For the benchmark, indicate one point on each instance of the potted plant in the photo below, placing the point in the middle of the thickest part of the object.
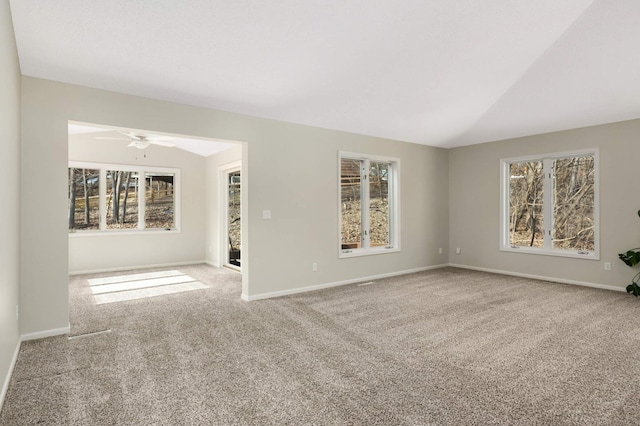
(632, 258)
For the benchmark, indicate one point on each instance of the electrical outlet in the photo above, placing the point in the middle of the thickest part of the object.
(607, 266)
(314, 267)
(440, 250)
(458, 250)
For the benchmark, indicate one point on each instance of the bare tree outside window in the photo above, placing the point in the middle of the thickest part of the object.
(525, 204)
(552, 203)
(233, 217)
(379, 203)
(368, 204)
(159, 201)
(84, 202)
(122, 199)
(573, 201)
(350, 197)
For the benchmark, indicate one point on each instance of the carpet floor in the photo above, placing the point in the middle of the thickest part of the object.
(447, 346)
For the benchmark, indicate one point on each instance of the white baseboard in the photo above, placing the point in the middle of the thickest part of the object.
(7, 380)
(24, 338)
(214, 264)
(130, 268)
(539, 277)
(45, 333)
(297, 290)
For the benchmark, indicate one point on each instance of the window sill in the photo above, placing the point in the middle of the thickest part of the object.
(115, 232)
(370, 252)
(592, 255)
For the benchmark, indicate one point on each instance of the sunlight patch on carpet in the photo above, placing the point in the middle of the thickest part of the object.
(133, 277)
(139, 286)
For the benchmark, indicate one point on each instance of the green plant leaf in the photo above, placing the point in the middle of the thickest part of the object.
(630, 257)
(634, 289)
(623, 257)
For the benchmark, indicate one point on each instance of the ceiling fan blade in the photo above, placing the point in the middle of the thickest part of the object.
(141, 141)
(119, 139)
(159, 142)
(131, 135)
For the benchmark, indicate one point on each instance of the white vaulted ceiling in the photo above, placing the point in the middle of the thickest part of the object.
(436, 72)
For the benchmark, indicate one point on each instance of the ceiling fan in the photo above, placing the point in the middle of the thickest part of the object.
(141, 141)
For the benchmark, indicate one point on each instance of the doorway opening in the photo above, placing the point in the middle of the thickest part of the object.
(232, 235)
(128, 211)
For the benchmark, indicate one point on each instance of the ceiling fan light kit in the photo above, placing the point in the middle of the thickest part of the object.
(139, 144)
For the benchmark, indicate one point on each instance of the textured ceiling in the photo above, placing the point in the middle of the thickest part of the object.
(440, 72)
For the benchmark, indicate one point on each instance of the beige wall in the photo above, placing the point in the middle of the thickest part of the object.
(9, 194)
(288, 169)
(295, 175)
(126, 250)
(474, 174)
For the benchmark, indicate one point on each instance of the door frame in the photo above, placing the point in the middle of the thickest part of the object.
(223, 191)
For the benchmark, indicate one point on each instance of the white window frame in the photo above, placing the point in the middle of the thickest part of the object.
(142, 171)
(223, 202)
(394, 206)
(547, 249)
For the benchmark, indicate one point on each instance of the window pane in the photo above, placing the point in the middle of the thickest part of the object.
(573, 203)
(84, 202)
(159, 201)
(350, 197)
(122, 199)
(379, 203)
(525, 204)
(233, 224)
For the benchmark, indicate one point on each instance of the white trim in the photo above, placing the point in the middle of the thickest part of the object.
(551, 252)
(233, 268)
(119, 232)
(210, 263)
(45, 333)
(554, 155)
(548, 250)
(336, 284)
(539, 277)
(298, 290)
(120, 167)
(7, 380)
(129, 268)
(142, 173)
(223, 204)
(345, 254)
(394, 205)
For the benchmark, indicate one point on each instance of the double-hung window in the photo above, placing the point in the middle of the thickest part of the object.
(368, 204)
(550, 204)
(112, 197)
